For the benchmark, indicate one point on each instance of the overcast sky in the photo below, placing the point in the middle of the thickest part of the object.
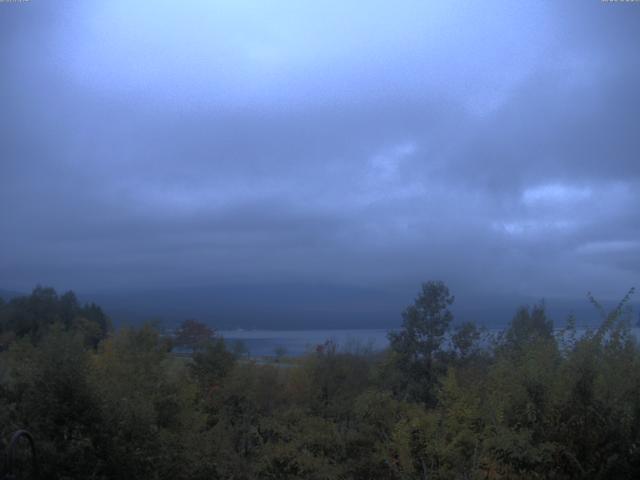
(491, 144)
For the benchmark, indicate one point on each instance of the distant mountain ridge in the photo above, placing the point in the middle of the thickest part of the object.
(9, 294)
(257, 306)
(316, 307)
(300, 307)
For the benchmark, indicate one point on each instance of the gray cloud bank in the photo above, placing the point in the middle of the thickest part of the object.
(489, 144)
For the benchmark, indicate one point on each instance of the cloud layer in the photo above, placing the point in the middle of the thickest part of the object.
(198, 144)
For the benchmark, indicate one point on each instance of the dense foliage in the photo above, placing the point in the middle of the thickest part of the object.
(444, 402)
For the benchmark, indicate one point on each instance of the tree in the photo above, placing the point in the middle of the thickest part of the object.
(34, 315)
(211, 362)
(47, 389)
(93, 323)
(529, 325)
(147, 402)
(465, 340)
(280, 351)
(193, 334)
(417, 347)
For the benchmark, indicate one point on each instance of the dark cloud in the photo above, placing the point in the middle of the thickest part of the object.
(493, 147)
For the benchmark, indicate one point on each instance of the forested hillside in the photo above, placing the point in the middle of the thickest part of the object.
(445, 401)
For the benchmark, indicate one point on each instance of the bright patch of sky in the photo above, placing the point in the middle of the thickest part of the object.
(204, 54)
(556, 194)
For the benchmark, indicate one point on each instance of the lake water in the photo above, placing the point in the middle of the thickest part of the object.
(298, 342)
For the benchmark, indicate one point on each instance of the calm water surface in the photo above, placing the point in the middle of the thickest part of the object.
(298, 342)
